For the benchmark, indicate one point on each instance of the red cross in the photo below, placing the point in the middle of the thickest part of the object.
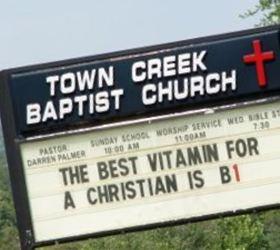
(259, 58)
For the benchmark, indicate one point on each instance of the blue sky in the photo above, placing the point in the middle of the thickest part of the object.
(34, 31)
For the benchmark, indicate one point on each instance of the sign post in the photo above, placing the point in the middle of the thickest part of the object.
(144, 138)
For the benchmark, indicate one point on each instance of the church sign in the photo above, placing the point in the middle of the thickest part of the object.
(144, 138)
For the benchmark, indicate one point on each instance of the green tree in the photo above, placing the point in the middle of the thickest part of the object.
(242, 232)
(236, 233)
(268, 9)
(8, 232)
(272, 228)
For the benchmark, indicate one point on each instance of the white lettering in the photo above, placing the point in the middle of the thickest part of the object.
(148, 95)
(102, 102)
(229, 80)
(165, 91)
(197, 61)
(67, 83)
(65, 107)
(49, 112)
(116, 94)
(106, 77)
(86, 80)
(154, 68)
(184, 64)
(169, 66)
(212, 83)
(33, 113)
(138, 73)
(197, 84)
(52, 80)
(80, 100)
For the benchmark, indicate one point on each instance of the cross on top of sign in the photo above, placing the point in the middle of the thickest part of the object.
(259, 58)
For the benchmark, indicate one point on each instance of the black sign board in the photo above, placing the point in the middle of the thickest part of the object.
(92, 90)
(88, 92)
